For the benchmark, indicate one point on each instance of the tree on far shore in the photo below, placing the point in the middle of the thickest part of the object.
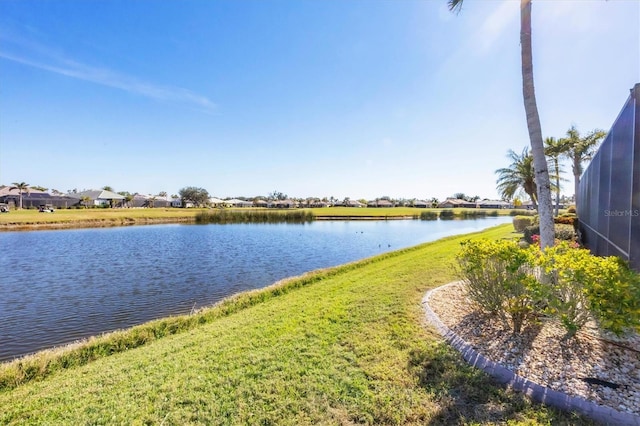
(21, 187)
(198, 196)
(85, 200)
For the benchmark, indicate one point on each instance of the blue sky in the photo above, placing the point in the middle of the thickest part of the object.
(352, 98)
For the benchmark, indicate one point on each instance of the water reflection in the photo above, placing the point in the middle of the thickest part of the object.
(60, 286)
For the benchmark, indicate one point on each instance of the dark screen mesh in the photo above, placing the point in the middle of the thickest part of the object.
(609, 192)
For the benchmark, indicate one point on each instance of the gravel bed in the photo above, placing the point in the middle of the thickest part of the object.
(596, 366)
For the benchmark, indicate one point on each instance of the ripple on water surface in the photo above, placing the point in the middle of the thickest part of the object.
(60, 286)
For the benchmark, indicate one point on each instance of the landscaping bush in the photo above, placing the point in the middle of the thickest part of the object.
(535, 219)
(521, 222)
(429, 215)
(585, 286)
(529, 232)
(500, 280)
(566, 233)
(522, 212)
(566, 219)
(563, 233)
(471, 214)
(446, 214)
(572, 209)
(565, 290)
(613, 290)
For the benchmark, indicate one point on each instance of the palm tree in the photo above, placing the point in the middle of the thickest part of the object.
(519, 175)
(21, 187)
(554, 149)
(580, 149)
(545, 208)
(85, 199)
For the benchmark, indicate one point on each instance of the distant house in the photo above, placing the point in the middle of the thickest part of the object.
(316, 203)
(421, 204)
(452, 203)
(283, 204)
(33, 198)
(380, 203)
(260, 203)
(159, 201)
(100, 198)
(494, 204)
(528, 205)
(140, 200)
(234, 202)
(217, 202)
(350, 203)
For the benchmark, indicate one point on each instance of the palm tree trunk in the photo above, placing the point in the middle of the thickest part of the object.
(545, 207)
(557, 166)
(576, 178)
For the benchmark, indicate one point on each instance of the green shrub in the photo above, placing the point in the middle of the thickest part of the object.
(566, 219)
(500, 280)
(254, 216)
(563, 233)
(446, 214)
(566, 290)
(521, 222)
(529, 232)
(471, 213)
(613, 290)
(535, 219)
(585, 286)
(522, 212)
(572, 209)
(429, 215)
(566, 233)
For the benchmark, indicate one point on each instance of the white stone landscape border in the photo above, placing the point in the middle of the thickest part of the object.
(539, 393)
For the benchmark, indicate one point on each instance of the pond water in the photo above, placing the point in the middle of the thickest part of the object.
(60, 286)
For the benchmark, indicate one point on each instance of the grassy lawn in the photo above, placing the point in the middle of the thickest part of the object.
(131, 216)
(348, 348)
(88, 215)
(368, 211)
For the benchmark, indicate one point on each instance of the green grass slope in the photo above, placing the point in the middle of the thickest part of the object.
(350, 348)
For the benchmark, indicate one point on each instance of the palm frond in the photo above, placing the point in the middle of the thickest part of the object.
(455, 5)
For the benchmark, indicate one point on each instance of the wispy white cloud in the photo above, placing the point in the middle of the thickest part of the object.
(41, 57)
(496, 24)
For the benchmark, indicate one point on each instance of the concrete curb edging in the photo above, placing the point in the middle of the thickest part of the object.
(538, 393)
